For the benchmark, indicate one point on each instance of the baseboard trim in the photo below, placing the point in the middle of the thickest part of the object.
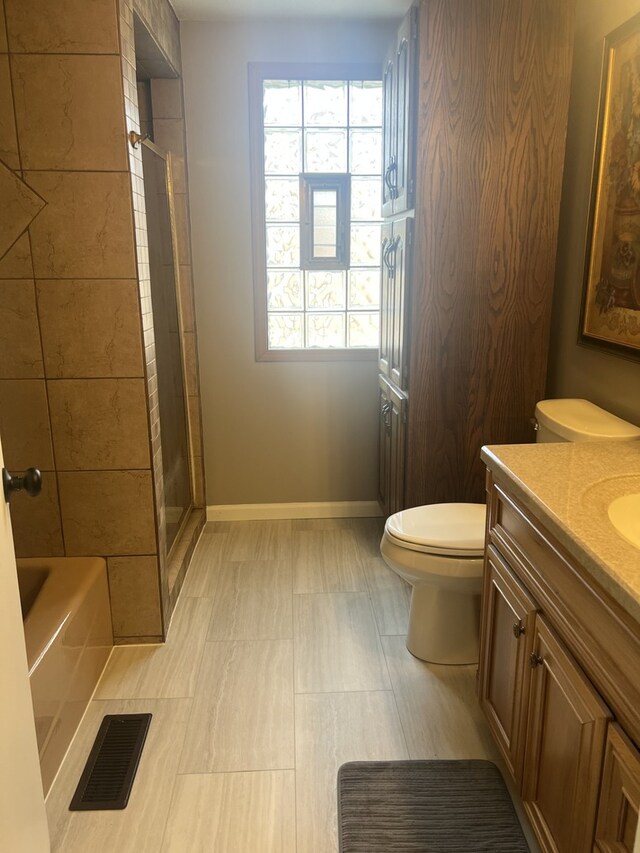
(328, 509)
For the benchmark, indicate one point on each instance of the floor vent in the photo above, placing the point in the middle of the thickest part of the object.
(108, 775)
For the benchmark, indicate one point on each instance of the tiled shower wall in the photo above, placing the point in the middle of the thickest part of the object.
(73, 361)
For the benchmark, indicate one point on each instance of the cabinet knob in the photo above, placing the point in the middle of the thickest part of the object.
(534, 660)
(518, 629)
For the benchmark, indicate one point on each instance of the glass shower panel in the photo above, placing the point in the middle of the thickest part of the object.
(171, 392)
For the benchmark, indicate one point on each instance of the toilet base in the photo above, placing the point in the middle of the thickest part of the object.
(444, 626)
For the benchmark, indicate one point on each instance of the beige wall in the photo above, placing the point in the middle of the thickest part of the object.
(578, 371)
(272, 432)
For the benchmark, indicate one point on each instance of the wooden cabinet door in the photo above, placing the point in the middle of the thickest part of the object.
(400, 257)
(619, 805)
(506, 642)
(392, 424)
(399, 104)
(566, 730)
(403, 178)
(386, 301)
(389, 131)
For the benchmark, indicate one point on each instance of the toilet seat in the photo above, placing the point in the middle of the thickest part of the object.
(454, 530)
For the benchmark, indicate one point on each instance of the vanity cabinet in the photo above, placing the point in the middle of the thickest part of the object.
(558, 682)
(475, 110)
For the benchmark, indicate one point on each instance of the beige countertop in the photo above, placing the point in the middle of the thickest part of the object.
(569, 488)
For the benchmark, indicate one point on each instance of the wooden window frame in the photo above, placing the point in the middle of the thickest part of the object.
(258, 72)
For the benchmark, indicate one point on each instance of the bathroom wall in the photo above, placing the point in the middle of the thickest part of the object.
(273, 432)
(74, 366)
(574, 370)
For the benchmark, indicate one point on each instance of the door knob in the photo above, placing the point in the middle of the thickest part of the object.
(30, 482)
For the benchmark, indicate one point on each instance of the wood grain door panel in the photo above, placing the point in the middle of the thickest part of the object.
(619, 805)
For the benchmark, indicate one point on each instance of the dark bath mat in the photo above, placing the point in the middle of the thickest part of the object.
(108, 775)
(427, 806)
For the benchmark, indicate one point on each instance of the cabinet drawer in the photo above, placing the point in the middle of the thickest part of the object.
(603, 637)
(619, 795)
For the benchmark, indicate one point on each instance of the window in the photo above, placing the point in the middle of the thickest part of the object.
(316, 135)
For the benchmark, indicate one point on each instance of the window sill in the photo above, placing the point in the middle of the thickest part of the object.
(317, 355)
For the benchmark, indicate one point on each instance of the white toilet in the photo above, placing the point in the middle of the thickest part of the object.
(439, 548)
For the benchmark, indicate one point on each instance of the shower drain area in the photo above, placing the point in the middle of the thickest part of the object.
(108, 776)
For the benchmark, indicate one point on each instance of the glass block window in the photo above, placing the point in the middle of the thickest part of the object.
(321, 152)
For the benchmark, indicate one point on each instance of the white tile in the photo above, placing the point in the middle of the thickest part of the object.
(336, 644)
(253, 601)
(333, 728)
(242, 717)
(440, 713)
(160, 671)
(138, 828)
(233, 813)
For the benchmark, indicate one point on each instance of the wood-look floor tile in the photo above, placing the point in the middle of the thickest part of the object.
(242, 716)
(337, 644)
(369, 533)
(202, 575)
(438, 707)
(330, 729)
(233, 813)
(163, 671)
(302, 524)
(253, 601)
(138, 828)
(255, 540)
(390, 597)
(326, 561)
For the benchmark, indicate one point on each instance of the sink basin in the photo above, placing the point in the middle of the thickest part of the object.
(624, 514)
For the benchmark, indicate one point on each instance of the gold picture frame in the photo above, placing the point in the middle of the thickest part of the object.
(611, 295)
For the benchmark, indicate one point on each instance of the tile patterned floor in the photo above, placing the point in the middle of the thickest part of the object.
(285, 658)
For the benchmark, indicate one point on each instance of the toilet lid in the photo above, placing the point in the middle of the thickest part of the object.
(441, 528)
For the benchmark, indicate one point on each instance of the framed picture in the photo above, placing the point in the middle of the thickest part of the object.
(611, 297)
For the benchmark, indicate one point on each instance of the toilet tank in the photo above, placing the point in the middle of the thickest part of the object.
(580, 420)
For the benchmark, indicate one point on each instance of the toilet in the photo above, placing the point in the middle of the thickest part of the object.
(439, 548)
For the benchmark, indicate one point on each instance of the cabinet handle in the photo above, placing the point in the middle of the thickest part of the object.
(385, 411)
(534, 660)
(392, 185)
(518, 629)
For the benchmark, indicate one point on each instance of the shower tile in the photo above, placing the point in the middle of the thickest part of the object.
(331, 729)
(163, 671)
(8, 138)
(16, 263)
(337, 644)
(21, 204)
(242, 716)
(166, 97)
(37, 531)
(233, 811)
(253, 601)
(66, 26)
(135, 596)
(78, 100)
(107, 512)
(141, 825)
(20, 350)
(390, 597)
(86, 228)
(90, 328)
(326, 561)
(438, 707)
(24, 424)
(99, 423)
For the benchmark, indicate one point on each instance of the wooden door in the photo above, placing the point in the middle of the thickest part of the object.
(400, 256)
(506, 642)
(566, 730)
(617, 825)
(386, 301)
